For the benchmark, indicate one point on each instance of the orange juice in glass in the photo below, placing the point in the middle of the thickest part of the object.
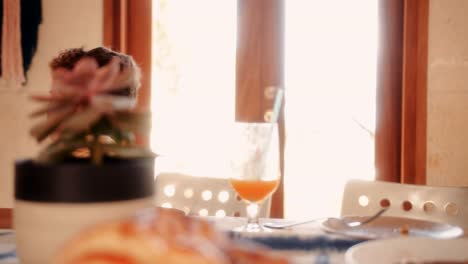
(254, 167)
(254, 190)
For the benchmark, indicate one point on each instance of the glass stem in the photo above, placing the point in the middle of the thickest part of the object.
(252, 214)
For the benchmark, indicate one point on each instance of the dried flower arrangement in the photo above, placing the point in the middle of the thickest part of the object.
(89, 112)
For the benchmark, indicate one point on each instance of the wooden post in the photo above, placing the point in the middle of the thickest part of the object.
(389, 91)
(259, 65)
(414, 95)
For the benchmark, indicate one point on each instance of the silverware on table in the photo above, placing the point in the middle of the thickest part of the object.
(337, 220)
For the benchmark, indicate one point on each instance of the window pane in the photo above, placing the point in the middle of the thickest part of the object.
(330, 78)
(194, 80)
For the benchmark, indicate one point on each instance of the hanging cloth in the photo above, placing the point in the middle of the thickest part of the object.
(31, 18)
(12, 57)
(1, 30)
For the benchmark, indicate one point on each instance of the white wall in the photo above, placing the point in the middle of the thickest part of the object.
(66, 24)
(447, 128)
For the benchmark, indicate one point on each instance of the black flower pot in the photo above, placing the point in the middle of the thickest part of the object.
(55, 202)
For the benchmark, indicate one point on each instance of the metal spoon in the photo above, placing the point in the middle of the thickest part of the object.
(338, 220)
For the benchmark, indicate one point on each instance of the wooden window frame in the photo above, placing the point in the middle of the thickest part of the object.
(400, 148)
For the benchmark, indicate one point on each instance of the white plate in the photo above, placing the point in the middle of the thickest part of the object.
(399, 250)
(389, 227)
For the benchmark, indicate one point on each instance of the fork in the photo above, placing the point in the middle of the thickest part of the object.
(339, 220)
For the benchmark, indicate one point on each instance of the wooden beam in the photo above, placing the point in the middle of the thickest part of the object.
(389, 91)
(139, 45)
(259, 58)
(115, 24)
(414, 97)
(259, 65)
(128, 29)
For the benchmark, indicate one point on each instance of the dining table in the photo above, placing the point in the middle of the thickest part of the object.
(303, 244)
(306, 243)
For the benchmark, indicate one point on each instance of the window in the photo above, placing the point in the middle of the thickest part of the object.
(194, 46)
(330, 91)
(400, 132)
(330, 79)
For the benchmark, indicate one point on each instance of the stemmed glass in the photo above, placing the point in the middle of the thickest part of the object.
(255, 173)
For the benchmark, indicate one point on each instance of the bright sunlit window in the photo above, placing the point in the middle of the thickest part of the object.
(193, 83)
(330, 77)
(330, 72)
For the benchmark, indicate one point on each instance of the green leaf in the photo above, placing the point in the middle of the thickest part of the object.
(56, 97)
(50, 108)
(48, 126)
(81, 121)
(132, 121)
(61, 149)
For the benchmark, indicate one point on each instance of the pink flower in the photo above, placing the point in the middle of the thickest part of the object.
(81, 96)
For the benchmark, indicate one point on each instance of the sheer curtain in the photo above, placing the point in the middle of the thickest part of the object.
(193, 84)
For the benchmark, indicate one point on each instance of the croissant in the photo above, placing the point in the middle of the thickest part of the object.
(159, 235)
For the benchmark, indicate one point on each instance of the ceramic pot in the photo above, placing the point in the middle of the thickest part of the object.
(55, 202)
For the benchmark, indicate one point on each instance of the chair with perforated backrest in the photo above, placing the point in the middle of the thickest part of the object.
(201, 196)
(439, 204)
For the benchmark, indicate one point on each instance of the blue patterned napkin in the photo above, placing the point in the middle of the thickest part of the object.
(303, 249)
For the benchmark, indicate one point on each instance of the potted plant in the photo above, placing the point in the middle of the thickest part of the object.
(90, 169)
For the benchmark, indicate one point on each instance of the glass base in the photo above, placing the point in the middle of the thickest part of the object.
(252, 228)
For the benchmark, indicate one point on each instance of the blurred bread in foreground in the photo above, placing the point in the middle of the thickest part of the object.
(160, 236)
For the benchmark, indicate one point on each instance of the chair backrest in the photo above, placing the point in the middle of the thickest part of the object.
(201, 196)
(439, 204)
